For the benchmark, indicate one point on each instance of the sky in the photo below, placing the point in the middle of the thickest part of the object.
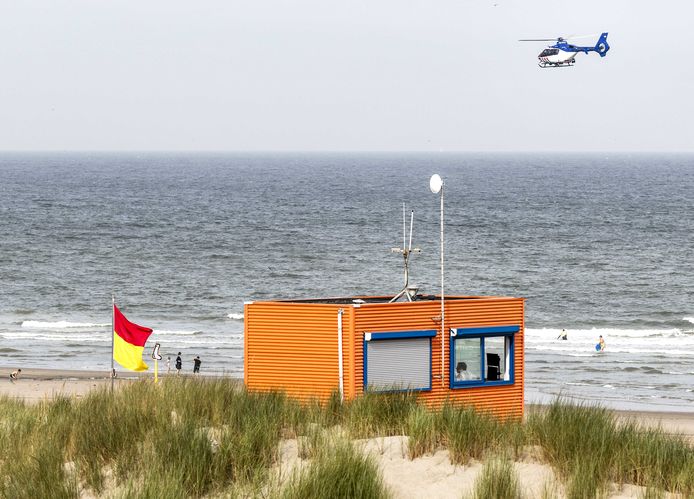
(350, 75)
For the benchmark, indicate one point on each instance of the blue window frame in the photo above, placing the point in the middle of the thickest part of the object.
(398, 361)
(482, 356)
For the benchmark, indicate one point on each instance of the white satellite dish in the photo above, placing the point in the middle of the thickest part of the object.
(435, 183)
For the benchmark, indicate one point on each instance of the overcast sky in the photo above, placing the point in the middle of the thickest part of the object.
(349, 75)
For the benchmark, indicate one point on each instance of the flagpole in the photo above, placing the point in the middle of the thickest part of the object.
(113, 329)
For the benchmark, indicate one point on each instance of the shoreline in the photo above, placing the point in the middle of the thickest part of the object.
(37, 384)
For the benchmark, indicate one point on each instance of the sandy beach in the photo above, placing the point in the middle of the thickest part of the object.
(35, 385)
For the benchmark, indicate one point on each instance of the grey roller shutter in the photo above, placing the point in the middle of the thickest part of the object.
(399, 364)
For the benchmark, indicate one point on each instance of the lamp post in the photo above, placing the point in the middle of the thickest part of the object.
(436, 186)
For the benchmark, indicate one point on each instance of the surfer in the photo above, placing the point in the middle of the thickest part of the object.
(563, 335)
(601, 343)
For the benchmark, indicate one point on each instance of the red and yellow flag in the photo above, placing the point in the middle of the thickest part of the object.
(128, 342)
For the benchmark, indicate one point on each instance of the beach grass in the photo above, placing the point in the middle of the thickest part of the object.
(469, 434)
(33, 440)
(423, 432)
(207, 438)
(338, 471)
(589, 448)
(379, 413)
(498, 480)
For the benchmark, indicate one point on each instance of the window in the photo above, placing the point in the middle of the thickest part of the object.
(548, 52)
(468, 355)
(398, 360)
(482, 356)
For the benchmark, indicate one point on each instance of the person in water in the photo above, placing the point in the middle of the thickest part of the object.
(602, 343)
(563, 335)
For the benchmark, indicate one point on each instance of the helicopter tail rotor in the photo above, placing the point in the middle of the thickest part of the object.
(602, 46)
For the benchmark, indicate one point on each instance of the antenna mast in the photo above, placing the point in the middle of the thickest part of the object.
(408, 291)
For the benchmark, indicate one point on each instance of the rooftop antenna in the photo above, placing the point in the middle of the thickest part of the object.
(409, 291)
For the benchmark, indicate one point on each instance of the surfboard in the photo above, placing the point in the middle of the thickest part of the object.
(597, 347)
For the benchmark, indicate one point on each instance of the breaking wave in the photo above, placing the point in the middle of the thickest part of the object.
(62, 325)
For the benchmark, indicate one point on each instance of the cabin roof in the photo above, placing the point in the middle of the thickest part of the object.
(351, 300)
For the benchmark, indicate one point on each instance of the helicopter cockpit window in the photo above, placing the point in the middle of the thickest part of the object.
(548, 52)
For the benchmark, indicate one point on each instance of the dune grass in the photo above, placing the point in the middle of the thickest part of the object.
(199, 437)
(498, 480)
(588, 448)
(379, 414)
(202, 435)
(423, 432)
(33, 438)
(337, 471)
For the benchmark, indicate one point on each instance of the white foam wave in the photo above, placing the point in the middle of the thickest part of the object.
(236, 317)
(573, 334)
(688, 319)
(670, 343)
(57, 337)
(62, 325)
(173, 332)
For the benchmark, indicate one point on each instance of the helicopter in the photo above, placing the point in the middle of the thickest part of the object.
(563, 54)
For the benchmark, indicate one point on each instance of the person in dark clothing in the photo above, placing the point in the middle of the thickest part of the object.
(196, 365)
(179, 364)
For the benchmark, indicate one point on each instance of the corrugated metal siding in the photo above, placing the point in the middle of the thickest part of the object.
(398, 363)
(505, 400)
(293, 347)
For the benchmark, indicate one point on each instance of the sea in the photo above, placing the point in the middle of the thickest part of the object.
(598, 244)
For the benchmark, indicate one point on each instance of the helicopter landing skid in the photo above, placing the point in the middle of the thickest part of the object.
(556, 65)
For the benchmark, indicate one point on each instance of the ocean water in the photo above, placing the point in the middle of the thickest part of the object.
(598, 244)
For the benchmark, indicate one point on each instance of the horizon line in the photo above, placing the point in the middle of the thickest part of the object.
(331, 151)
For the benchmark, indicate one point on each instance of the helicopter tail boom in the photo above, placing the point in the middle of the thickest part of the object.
(602, 46)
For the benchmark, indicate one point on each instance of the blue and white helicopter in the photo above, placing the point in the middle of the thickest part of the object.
(563, 54)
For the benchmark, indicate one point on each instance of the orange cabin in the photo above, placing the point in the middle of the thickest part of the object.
(293, 346)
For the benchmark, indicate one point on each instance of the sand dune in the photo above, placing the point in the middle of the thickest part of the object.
(427, 476)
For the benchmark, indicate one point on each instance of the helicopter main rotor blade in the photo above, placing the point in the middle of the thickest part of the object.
(538, 40)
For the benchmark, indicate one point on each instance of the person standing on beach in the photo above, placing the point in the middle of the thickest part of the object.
(196, 365)
(168, 364)
(14, 375)
(179, 364)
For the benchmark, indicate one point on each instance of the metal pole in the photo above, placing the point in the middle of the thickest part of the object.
(443, 329)
(113, 331)
(339, 355)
